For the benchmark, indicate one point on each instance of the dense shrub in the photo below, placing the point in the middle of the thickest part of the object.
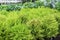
(10, 30)
(3, 7)
(17, 32)
(29, 24)
(57, 16)
(42, 24)
(28, 5)
(11, 7)
(35, 4)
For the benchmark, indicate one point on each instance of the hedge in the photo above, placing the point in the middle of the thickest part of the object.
(29, 24)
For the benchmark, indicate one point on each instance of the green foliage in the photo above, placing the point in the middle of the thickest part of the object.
(17, 32)
(42, 24)
(12, 29)
(58, 5)
(3, 7)
(49, 25)
(36, 4)
(18, 6)
(28, 5)
(57, 16)
(11, 7)
(29, 24)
